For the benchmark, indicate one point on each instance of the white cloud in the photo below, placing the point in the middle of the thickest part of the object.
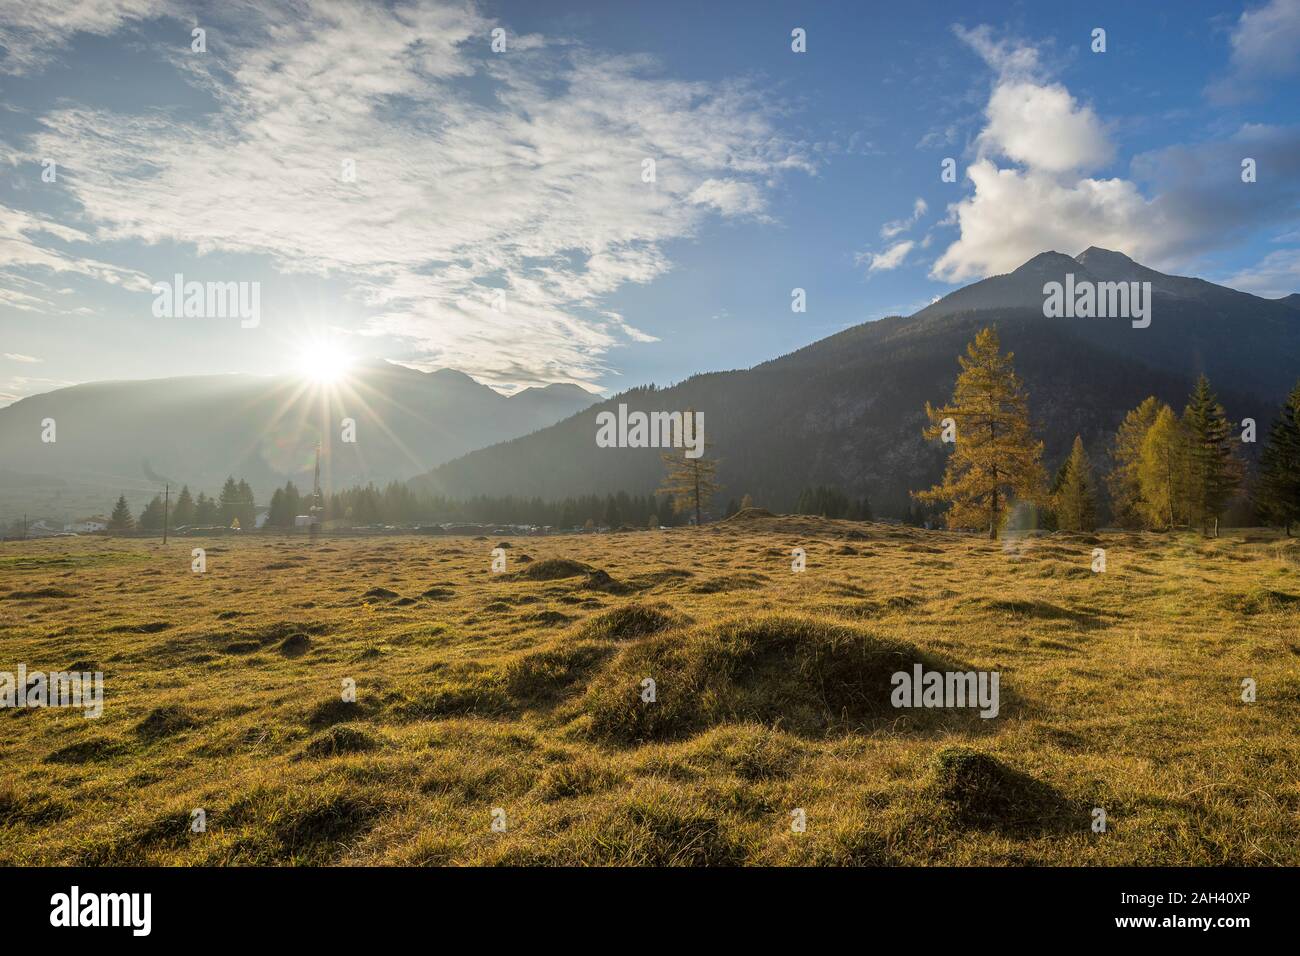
(19, 357)
(25, 245)
(1035, 186)
(1044, 128)
(1276, 276)
(891, 229)
(519, 170)
(1265, 45)
(729, 196)
(891, 258)
(31, 31)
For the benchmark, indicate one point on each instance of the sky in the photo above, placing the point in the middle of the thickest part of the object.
(469, 185)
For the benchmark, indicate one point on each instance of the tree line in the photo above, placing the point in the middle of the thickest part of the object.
(234, 504)
(1168, 470)
(397, 504)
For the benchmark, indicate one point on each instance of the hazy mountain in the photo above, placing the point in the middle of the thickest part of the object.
(131, 436)
(848, 410)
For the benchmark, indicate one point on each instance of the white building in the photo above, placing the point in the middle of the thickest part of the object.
(88, 525)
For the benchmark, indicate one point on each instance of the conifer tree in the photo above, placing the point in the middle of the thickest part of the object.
(228, 502)
(1214, 470)
(120, 519)
(205, 510)
(183, 514)
(151, 518)
(245, 508)
(995, 456)
(1122, 482)
(1278, 492)
(1075, 503)
(1163, 472)
(692, 482)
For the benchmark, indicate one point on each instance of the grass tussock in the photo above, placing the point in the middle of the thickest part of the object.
(524, 692)
(810, 675)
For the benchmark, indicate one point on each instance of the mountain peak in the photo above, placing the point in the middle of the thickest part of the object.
(450, 376)
(1111, 266)
(1046, 264)
(1049, 259)
(1097, 255)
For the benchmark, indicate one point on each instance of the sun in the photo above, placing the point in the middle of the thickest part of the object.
(324, 364)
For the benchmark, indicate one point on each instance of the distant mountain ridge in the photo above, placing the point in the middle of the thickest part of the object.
(132, 435)
(848, 410)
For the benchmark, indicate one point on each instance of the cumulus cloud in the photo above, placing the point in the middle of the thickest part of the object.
(1044, 128)
(1265, 46)
(474, 172)
(1036, 185)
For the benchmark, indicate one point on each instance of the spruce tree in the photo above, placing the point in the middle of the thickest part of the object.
(183, 513)
(151, 518)
(1278, 492)
(120, 519)
(995, 457)
(245, 509)
(1214, 470)
(228, 503)
(205, 510)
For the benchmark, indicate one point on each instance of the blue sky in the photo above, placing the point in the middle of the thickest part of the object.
(522, 171)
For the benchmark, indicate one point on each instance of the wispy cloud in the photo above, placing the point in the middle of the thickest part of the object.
(1276, 276)
(475, 172)
(898, 226)
(30, 243)
(31, 33)
(1265, 46)
(19, 357)
(891, 258)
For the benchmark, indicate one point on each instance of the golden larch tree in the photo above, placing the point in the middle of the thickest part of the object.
(995, 457)
(1075, 503)
(1125, 488)
(692, 482)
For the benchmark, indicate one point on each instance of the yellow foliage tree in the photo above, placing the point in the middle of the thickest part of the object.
(995, 457)
(1125, 489)
(1163, 472)
(692, 482)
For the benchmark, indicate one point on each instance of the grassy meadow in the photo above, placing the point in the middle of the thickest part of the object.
(521, 692)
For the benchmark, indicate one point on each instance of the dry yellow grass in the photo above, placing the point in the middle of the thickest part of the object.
(521, 691)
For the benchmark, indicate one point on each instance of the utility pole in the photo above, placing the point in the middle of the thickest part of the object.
(167, 497)
(317, 510)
